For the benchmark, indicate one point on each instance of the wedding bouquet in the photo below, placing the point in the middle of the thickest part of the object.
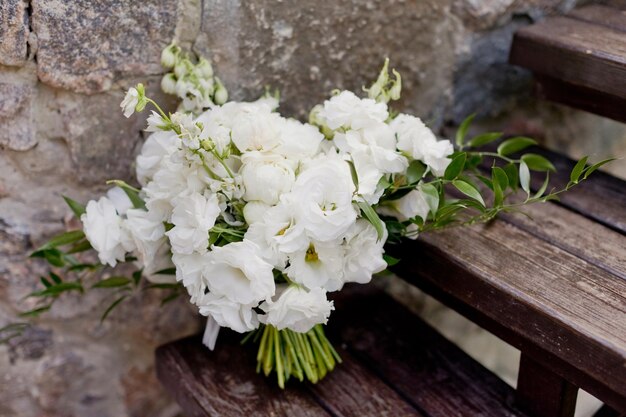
(257, 217)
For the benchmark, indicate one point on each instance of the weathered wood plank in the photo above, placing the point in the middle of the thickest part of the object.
(435, 375)
(543, 393)
(574, 51)
(224, 382)
(601, 15)
(535, 296)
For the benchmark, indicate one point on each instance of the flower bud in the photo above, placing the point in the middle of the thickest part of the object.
(182, 68)
(221, 94)
(204, 68)
(396, 88)
(169, 56)
(168, 83)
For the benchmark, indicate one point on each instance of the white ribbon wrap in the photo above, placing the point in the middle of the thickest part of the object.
(211, 331)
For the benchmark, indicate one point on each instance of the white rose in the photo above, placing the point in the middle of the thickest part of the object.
(189, 271)
(193, 217)
(120, 200)
(155, 148)
(299, 140)
(351, 112)
(297, 309)
(254, 211)
(105, 231)
(419, 142)
(319, 265)
(323, 196)
(257, 130)
(407, 207)
(266, 177)
(363, 253)
(237, 272)
(238, 317)
(148, 234)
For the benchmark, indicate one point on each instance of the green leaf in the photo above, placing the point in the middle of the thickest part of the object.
(166, 271)
(75, 206)
(431, 195)
(484, 139)
(36, 311)
(57, 289)
(462, 131)
(373, 218)
(112, 282)
(137, 276)
(538, 163)
(391, 261)
(524, 177)
(55, 278)
(111, 307)
(486, 181)
(53, 256)
(415, 172)
(513, 176)
(500, 182)
(383, 183)
(79, 247)
(131, 192)
(468, 190)
(456, 167)
(578, 170)
(595, 166)
(515, 144)
(45, 282)
(170, 298)
(64, 239)
(355, 176)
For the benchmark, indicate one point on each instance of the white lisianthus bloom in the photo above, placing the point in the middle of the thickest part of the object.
(154, 150)
(227, 313)
(193, 217)
(297, 309)
(148, 234)
(319, 265)
(254, 211)
(363, 253)
(351, 112)
(323, 198)
(266, 176)
(161, 260)
(419, 142)
(411, 205)
(257, 130)
(130, 101)
(105, 231)
(120, 200)
(237, 272)
(299, 140)
(189, 271)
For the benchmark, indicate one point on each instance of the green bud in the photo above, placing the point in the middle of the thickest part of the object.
(182, 68)
(204, 68)
(169, 56)
(221, 94)
(396, 88)
(141, 104)
(207, 145)
(140, 90)
(168, 84)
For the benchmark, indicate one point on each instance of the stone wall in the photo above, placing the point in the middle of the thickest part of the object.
(64, 66)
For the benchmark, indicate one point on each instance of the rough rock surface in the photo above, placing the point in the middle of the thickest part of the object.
(63, 68)
(13, 32)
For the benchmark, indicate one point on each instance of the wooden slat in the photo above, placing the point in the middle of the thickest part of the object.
(436, 376)
(224, 382)
(574, 51)
(601, 15)
(535, 296)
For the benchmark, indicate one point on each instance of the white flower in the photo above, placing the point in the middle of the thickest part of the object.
(297, 309)
(155, 122)
(363, 253)
(238, 317)
(266, 177)
(130, 101)
(319, 265)
(254, 211)
(407, 207)
(189, 271)
(351, 112)
(154, 150)
(161, 260)
(193, 217)
(323, 198)
(237, 272)
(120, 200)
(105, 231)
(299, 140)
(419, 142)
(256, 129)
(148, 234)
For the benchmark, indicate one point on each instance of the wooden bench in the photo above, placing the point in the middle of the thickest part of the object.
(554, 287)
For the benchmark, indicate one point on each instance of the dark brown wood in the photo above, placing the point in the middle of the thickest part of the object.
(606, 411)
(577, 52)
(593, 101)
(538, 297)
(543, 393)
(432, 373)
(601, 15)
(224, 382)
